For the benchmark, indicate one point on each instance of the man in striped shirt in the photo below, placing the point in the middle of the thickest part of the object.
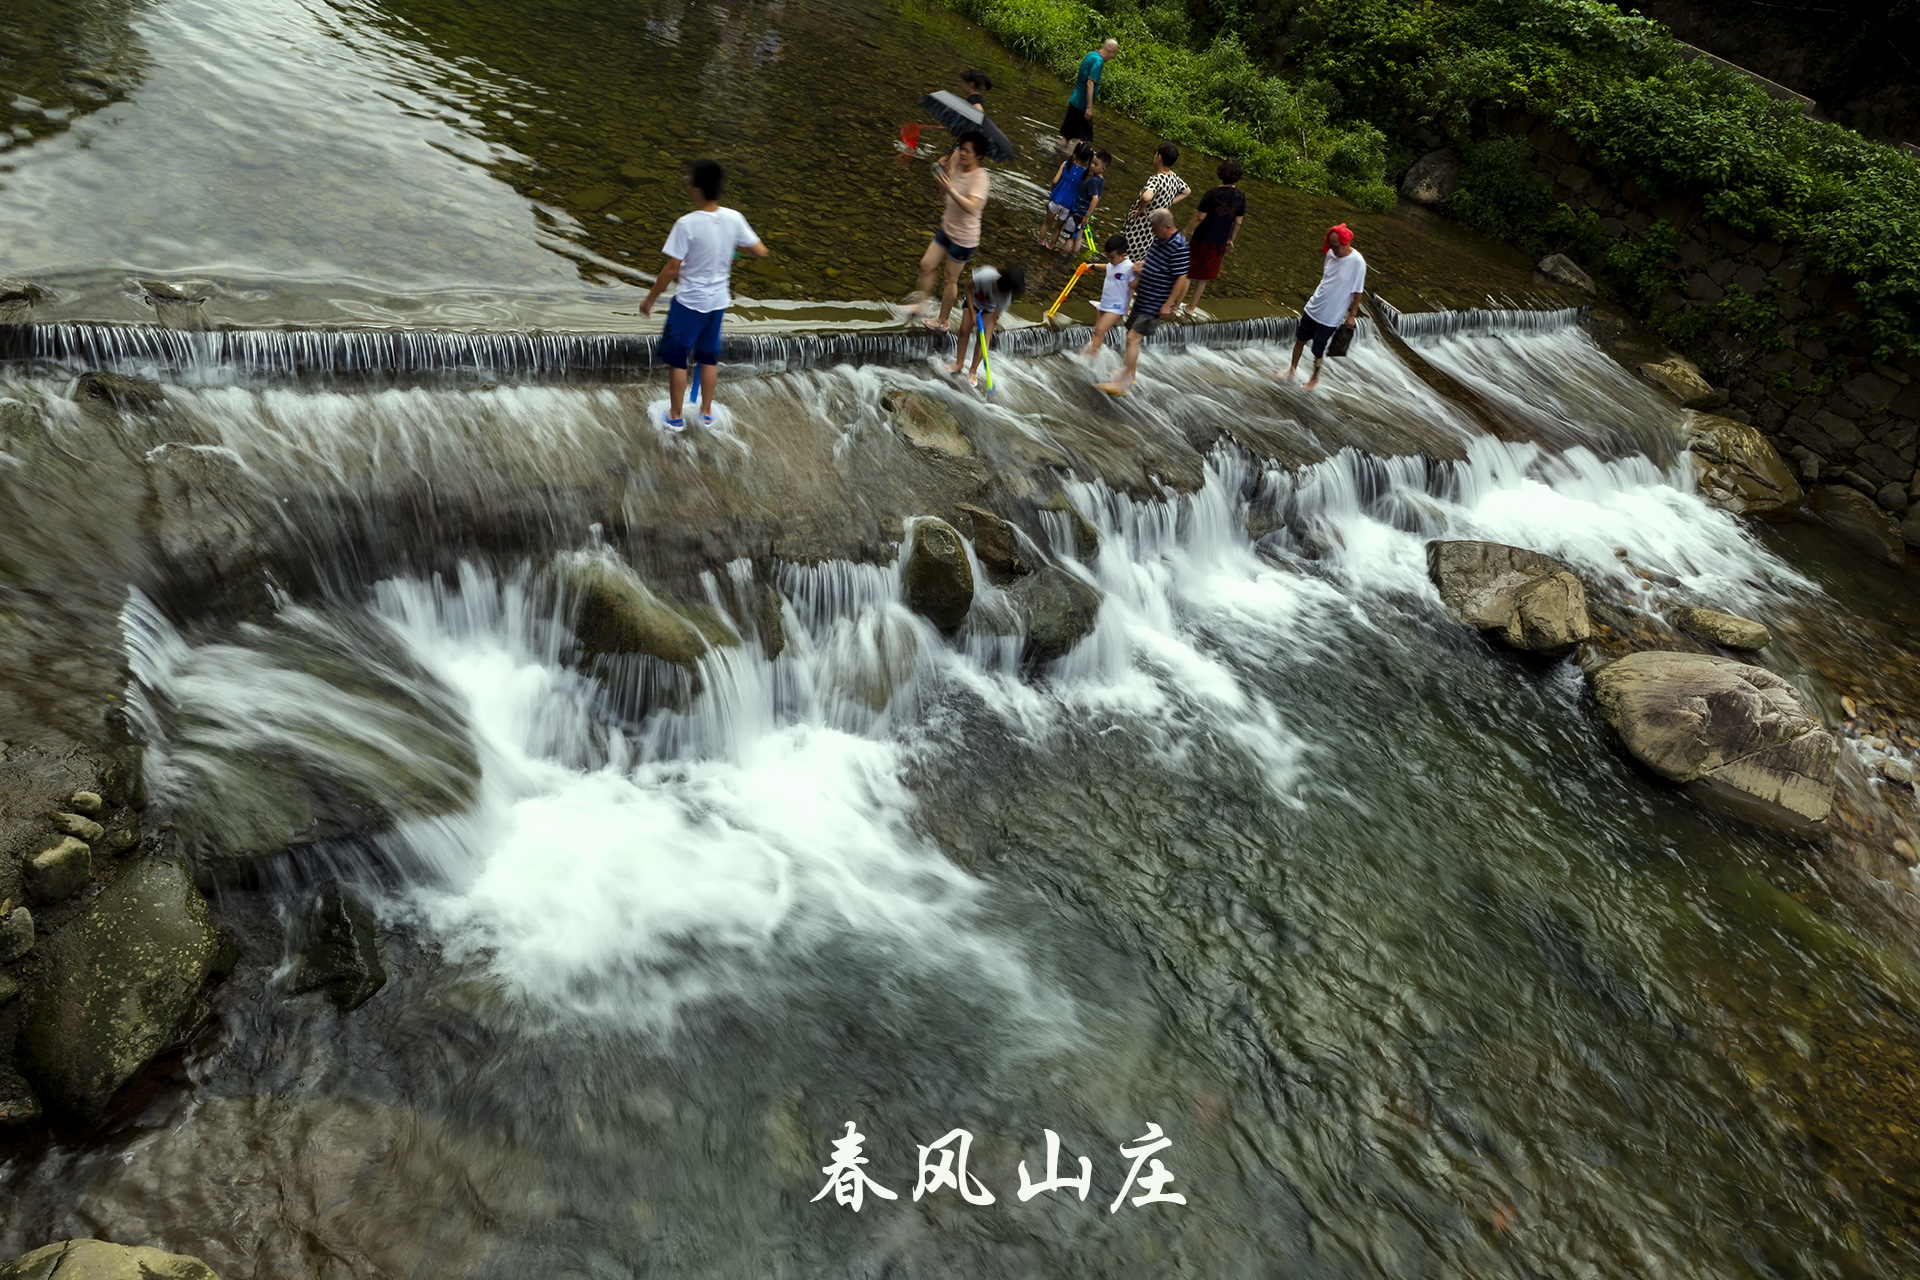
(1161, 286)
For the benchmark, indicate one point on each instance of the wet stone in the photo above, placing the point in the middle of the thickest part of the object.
(1857, 519)
(118, 984)
(86, 803)
(1059, 610)
(56, 874)
(16, 934)
(79, 827)
(937, 580)
(340, 951)
(1728, 630)
(19, 1105)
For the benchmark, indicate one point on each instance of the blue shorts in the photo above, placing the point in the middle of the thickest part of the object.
(692, 331)
(954, 251)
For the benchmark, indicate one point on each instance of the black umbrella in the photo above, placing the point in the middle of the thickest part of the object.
(959, 115)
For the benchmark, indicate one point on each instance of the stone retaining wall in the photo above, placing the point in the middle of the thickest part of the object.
(1845, 417)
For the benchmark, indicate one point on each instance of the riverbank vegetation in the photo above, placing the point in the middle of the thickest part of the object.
(1365, 85)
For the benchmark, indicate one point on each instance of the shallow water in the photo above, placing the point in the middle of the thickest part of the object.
(515, 165)
(1418, 975)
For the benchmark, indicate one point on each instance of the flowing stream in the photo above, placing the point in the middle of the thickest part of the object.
(1418, 975)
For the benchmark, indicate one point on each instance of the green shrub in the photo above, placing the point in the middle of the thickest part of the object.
(1499, 191)
(1216, 98)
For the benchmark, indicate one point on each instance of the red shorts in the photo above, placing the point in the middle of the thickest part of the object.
(1203, 260)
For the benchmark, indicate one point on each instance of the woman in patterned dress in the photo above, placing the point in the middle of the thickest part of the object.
(1163, 190)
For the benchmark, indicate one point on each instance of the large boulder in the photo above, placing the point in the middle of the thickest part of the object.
(1530, 601)
(1433, 179)
(1682, 378)
(1858, 519)
(1728, 630)
(1562, 270)
(1058, 610)
(1738, 469)
(118, 985)
(616, 612)
(98, 1260)
(339, 950)
(1738, 737)
(937, 580)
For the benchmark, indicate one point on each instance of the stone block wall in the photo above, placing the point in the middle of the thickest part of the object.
(1843, 416)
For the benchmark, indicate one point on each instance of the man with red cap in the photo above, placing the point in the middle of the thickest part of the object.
(1343, 278)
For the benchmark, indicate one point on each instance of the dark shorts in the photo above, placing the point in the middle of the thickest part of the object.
(1203, 261)
(1144, 323)
(690, 331)
(1076, 127)
(957, 252)
(1318, 334)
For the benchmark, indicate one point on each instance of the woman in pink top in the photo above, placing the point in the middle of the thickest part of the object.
(963, 181)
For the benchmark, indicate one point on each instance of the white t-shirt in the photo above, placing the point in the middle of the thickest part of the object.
(1340, 279)
(704, 242)
(1113, 298)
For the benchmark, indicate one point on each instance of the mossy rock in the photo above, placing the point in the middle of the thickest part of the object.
(98, 1260)
(119, 982)
(1059, 609)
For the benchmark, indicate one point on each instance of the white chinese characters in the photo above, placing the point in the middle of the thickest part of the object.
(943, 1167)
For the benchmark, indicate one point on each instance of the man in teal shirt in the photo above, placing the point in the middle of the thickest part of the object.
(1078, 125)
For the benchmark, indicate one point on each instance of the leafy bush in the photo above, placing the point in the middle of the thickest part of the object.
(1499, 191)
(1215, 98)
(1627, 91)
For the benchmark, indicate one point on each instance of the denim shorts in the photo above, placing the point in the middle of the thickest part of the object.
(958, 253)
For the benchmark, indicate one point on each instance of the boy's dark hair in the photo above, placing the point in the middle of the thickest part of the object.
(1231, 170)
(1169, 153)
(1104, 157)
(978, 79)
(1083, 153)
(975, 139)
(1116, 243)
(708, 177)
(1015, 278)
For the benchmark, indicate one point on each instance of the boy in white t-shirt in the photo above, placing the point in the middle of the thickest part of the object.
(1116, 297)
(700, 252)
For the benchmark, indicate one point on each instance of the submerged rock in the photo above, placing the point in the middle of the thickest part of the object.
(205, 515)
(1433, 179)
(1737, 736)
(1738, 469)
(927, 424)
(1086, 538)
(118, 984)
(16, 934)
(98, 1260)
(996, 543)
(1059, 610)
(1531, 601)
(936, 580)
(1562, 270)
(340, 951)
(118, 391)
(56, 874)
(1858, 519)
(1728, 630)
(617, 612)
(1683, 379)
(18, 1103)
